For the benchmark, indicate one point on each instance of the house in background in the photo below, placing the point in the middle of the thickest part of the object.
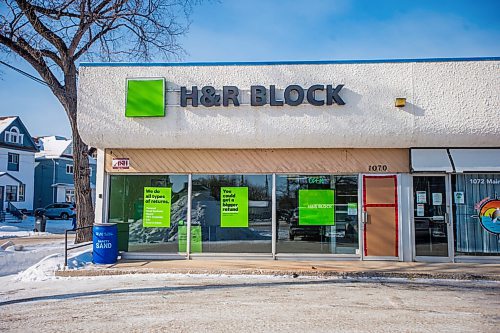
(54, 171)
(17, 165)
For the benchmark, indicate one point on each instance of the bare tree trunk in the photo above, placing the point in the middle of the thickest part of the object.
(81, 173)
(83, 191)
(52, 35)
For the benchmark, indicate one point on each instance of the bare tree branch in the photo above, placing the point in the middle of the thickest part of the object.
(52, 35)
(30, 55)
(39, 27)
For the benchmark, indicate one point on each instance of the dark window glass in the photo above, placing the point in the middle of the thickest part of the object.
(13, 162)
(126, 205)
(312, 234)
(255, 236)
(430, 217)
(22, 189)
(10, 193)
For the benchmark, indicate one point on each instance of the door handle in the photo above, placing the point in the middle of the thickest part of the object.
(365, 217)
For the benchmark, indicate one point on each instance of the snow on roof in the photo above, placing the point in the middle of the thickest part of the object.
(54, 146)
(5, 122)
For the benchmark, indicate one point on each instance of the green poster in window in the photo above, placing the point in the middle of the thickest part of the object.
(195, 238)
(156, 212)
(234, 207)
(316, 207)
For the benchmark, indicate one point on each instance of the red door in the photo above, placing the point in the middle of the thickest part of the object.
(380, 222)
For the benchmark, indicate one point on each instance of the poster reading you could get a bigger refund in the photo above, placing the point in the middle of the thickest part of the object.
(156, 213)
(234, 207)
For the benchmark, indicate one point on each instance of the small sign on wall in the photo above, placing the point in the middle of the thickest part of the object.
(120, 163)
(459, 198)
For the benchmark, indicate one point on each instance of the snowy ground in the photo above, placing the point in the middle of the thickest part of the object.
(219, 303)
(25, 228)
(33, 299)
(14, 260)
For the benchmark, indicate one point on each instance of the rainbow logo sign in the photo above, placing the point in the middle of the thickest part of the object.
(489, 215)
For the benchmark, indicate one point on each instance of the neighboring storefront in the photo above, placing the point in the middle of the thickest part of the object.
(371, 160)
(456, 203)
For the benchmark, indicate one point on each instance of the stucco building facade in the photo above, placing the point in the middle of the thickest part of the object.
(369, 160)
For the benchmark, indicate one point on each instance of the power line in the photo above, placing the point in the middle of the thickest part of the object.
(20, 71)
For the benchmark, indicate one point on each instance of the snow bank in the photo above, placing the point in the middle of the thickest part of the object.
(25, 227)
(8, 231)
(12, 261)
(7, 228)
(45, 268)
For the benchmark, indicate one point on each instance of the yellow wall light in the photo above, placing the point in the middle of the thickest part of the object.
(400, 102)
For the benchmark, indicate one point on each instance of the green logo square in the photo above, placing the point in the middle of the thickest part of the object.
(145, 98)
(316, 207)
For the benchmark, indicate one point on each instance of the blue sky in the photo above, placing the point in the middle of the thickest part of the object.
(272, 30)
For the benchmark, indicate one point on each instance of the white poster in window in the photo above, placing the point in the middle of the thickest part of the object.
(420, 210)
(459, 197)
(421, 197)
(437, 199)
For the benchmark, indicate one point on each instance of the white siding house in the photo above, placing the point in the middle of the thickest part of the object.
(17, 164)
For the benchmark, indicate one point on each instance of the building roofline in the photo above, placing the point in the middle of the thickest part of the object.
(271, 63)
(9, 175)
(15, 147)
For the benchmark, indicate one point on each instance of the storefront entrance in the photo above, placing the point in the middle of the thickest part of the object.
(265, 203)
(380, 217)
(431, 218)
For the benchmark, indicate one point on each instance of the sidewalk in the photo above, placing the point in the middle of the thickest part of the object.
(386, 269)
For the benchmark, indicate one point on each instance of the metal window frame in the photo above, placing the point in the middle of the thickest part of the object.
(274, 254)
(450, 225)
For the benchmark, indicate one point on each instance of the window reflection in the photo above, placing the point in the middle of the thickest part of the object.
(296, 237)
(474, 234)
(206, 213)
(126, 203)
(295, 234)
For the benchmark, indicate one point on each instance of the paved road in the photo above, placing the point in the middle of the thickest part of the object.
(179, 303)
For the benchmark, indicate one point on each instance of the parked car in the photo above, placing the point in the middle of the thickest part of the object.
(60, 210)
(304, 231)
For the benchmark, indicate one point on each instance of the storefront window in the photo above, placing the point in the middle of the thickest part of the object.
(317, 214)
(165, 199)
(476, 209)
(232, 213)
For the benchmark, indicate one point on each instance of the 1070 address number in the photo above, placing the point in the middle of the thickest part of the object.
(378, 168)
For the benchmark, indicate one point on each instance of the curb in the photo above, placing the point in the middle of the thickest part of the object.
(321, 274)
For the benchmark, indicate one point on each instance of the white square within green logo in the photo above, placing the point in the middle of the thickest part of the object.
(145, 98)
